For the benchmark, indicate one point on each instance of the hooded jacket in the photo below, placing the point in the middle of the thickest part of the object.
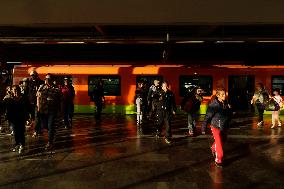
(218, 115)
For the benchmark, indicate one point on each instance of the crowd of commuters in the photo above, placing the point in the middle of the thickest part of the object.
(39, 103)
(158, 103)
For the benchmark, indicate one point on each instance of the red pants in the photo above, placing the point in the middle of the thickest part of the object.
(217, 146)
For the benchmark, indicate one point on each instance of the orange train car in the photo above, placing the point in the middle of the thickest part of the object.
(120, 81)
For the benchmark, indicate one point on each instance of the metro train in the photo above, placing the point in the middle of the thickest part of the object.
(120, 81)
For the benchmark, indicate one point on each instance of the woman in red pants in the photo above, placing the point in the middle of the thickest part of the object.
(218, 116)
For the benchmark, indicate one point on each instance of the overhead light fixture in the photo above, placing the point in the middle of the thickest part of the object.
(189, 41)
(14, 62)
(103, 42)
(70, 42)
(230, 41)
(271, 41)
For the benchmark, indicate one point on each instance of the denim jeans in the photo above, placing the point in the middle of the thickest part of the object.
(68, 113)
(47, 121)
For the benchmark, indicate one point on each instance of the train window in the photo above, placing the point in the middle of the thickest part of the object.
(188, 81)
(278, 82)
(59, 79)
(149, 80)
(111, 84)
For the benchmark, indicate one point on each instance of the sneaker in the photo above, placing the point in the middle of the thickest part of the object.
(190, 133)
(279, 125)
(259, 124)
(168, 141)
(12, 133)
(272, 127)
(36, 134)
(203, 133)
(158, 135)
(48, 146)
(15, 148)
(219, 165)
(21, 149)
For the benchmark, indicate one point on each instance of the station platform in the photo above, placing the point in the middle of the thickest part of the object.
(116, 154)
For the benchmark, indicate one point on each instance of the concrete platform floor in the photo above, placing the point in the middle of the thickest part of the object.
(118, 154)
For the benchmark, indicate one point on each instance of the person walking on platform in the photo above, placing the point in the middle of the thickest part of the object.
(99, 99)
(68, 94)
(191, 104)
(166, 108)
(259, 98)
(33, 87)
(17, 115)
(218, 115)
(275, 114)
(48, 100)
(152, 97)
(141, 102)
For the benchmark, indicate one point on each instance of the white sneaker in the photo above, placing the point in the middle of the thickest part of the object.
(15, 148)
(260, 124)
(21, 149)
(279, 125)
(272, 127)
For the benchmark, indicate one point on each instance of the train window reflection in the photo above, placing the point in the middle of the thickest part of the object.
(186, 82)
(278, 82)
(112, 84)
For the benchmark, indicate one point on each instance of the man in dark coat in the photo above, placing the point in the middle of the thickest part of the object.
(166, 108)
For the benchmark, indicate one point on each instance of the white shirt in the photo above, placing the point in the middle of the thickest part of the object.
(278, 99)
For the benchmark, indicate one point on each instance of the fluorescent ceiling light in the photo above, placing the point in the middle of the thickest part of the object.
(230, 41)
(14, 62)
(189, 41)
(103, 42)
(70, 42)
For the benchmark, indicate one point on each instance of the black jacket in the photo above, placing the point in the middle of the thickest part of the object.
(153, 93)
(17, 109)
(33, 88)
(218, 115)
(166, 101)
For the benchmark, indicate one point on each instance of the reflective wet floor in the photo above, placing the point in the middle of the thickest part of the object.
(117, 153)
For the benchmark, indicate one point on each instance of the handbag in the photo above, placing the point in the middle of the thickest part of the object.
(272, 105)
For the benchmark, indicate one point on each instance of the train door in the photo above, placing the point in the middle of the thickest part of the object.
(241, 89)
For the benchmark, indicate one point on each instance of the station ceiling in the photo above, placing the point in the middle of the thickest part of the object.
(252, 43)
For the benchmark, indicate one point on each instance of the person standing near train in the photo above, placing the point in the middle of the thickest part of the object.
(191, 105)
(141, 102)
(259, 98)
(152, 97)
(99, 99)
(166, 108)
(68, 94)
(275, 114)
(218, 116)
